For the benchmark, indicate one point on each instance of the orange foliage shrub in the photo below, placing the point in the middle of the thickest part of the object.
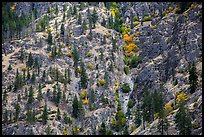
(128, 38)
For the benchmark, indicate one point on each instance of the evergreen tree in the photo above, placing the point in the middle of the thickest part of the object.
(114, 44)
(84, 79)
(17, 108)
(56, 25)
(102, 130)
(76, 59)
(64, 97)
(56, 9)
(29, 117)
(64, 7)
(34, 116)
(28, 74)
(9, 67)
(75, 107)
(33, 78)
(64, 16)
(54, 98)
(58, 114)
(84, 27)
(183, 120)
(163, 122)
(94, 17)
(30, 95)
(49, 38)
(62, 29)
(18, 81)
(74, 10)
(92, 96)
(81, 111)
(30, 60)
(69, 12)
(39, 97)
(82, 6)
(36, 63)
(45, 114)
(44, 75)
(106, 78)
(69, 76)
(193, 78)
(138, 116)
(103, 23)
(146, 106)
(22, 56)
(59, 93)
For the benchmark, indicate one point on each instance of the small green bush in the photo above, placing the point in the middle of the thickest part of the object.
(126, 88)
(127, 69)
(146, 18)
(195, 99)
(195, 125)
(130, 103)
(126, 61)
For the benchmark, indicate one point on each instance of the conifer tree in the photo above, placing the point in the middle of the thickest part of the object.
(56, 9)
(84, 80)
(49, 38)
(138, 116)
(183, 120)
(64, 7)
(81, 111)
(45, 114)
(106, 78)
(30, 60)
(59, 93)
(58, 114)
(39, 97)
(193, 78)
(62, 29)
(30, 95)
(102, 130)
(76, 59)
(33, 78)
(94, 17)
(54, 97)
(75, 107)
(17, 112)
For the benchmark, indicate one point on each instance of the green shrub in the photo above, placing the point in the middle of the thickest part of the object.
(135, 18)
(136, 23)
(126, 88)
(195, 125)
(89, 54)
(126, 61)
(127, 69)
(195, 99)
(134, 61)
(130, 103)
(146, 18)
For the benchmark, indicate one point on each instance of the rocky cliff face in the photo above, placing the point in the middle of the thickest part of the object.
(167, 45)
